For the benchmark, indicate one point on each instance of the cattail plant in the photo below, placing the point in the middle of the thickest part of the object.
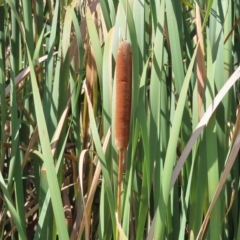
(123, 107)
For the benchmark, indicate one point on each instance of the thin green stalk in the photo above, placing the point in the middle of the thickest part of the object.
(2, 85)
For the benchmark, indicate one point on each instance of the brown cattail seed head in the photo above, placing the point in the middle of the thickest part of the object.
(123, 95)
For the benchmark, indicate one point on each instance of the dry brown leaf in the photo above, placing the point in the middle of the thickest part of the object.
(79, 227)
(25, 73)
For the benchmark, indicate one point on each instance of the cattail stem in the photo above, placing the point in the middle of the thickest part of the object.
(120, 173)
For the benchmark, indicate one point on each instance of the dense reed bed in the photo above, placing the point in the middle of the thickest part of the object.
(172, 118)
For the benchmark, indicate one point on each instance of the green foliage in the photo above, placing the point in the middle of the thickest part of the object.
(58, 159)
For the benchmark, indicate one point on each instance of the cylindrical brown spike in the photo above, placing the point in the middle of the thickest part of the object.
(123, 95)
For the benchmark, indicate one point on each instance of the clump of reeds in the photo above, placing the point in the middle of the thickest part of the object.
(123, 107)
